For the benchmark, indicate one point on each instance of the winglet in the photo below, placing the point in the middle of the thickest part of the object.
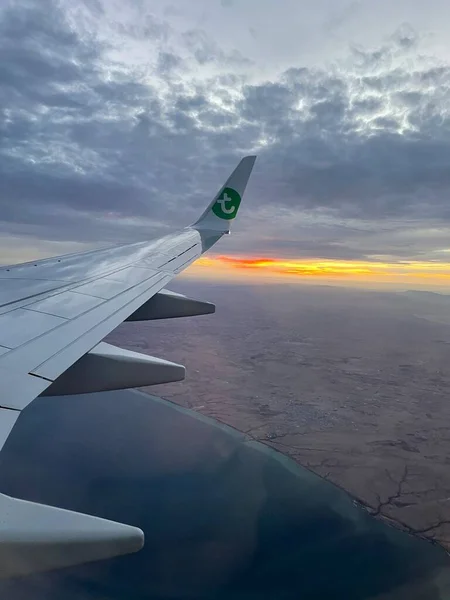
(224, 208)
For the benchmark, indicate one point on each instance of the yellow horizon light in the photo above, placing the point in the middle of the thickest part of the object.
(222, 266)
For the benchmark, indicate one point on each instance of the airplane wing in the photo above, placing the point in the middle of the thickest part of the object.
(54, 314)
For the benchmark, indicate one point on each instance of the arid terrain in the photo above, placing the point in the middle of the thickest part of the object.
(354, 385)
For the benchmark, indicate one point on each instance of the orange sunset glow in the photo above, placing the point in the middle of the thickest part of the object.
(361, 273)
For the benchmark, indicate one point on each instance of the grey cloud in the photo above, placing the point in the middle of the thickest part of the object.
(95, 6)
(364, 59)
(144, 27)
(406, 36)
(191, 103)
(328, 161)
(386, 123)
(338, 17)
(373, 83)
(369, 105)
(266, 103)
(58, 144)
(299, 237)
(168, 62)
(409, 99)
(86, 142)
(205, 50)
(88, 139)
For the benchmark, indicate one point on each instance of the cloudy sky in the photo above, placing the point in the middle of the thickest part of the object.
(120, 119)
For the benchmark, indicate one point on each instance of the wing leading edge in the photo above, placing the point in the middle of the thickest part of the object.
(54, 315)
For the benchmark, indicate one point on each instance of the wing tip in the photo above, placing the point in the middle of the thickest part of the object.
(224, 207)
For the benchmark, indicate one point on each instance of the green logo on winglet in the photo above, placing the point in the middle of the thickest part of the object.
(227, 204)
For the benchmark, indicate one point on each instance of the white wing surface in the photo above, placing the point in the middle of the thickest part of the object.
(54, 314)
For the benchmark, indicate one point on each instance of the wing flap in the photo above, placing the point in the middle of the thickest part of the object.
(67, 305)
(51, 354)
(19, 388)
(94, 326)
(22, 325)
(108, 288)
(21, 290)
